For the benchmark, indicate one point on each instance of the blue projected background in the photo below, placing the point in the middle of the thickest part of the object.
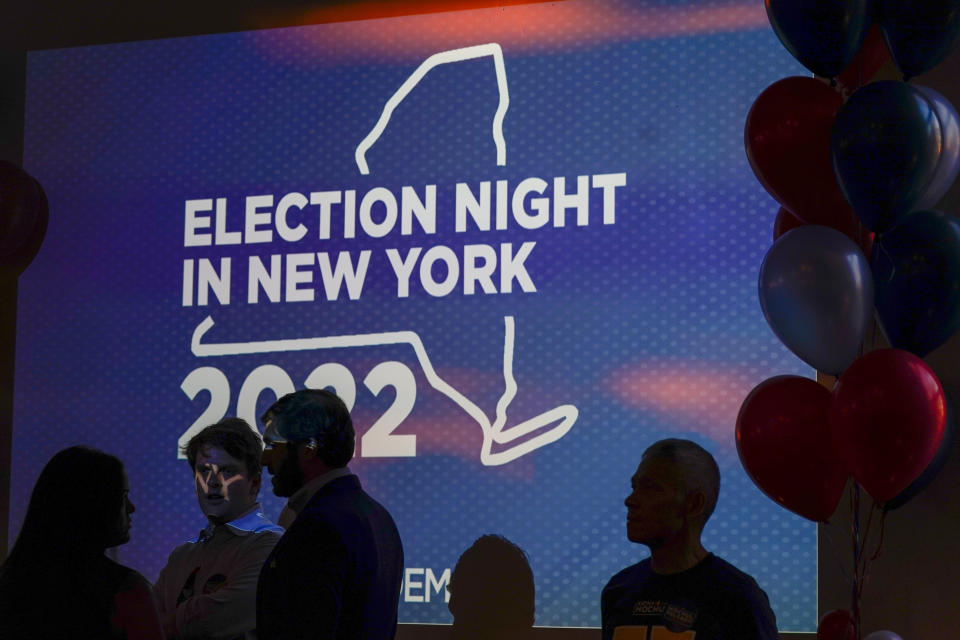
(181, 171)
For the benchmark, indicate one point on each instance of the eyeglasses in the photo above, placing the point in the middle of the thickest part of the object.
(275, 445)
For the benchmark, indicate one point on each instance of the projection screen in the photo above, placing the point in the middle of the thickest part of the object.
(522, 243)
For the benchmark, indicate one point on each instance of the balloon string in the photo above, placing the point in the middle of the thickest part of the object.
(883, 522)
(883, 250)
(861, 559)
(855, 537)
(864, 574)
(862, 566)
(832, 544)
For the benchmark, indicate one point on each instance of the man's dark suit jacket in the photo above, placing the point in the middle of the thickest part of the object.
(336, 572)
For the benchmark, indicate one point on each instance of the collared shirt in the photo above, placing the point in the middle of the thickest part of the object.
(251, 521)
(299, 500)
(210, 582)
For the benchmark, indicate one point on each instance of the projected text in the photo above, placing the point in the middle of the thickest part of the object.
(437, 270)
(514, 441)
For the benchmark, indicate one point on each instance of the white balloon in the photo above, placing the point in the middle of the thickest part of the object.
(883, 635)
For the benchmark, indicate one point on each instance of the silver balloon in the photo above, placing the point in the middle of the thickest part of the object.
(948, 165)
(816, 291)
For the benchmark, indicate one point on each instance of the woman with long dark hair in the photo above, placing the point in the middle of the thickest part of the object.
(57, 582)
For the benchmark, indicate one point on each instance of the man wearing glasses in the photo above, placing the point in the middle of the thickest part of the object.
(336, 572)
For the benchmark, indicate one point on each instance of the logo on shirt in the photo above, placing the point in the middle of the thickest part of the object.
(675, 617)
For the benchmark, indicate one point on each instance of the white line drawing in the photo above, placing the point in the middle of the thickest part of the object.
(561, 417)
(454, 55)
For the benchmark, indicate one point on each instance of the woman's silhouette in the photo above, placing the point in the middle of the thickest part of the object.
(57, 582)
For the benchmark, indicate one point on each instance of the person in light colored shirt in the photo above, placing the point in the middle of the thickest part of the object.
(208, 587)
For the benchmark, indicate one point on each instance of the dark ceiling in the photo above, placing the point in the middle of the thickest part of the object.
(45, 24)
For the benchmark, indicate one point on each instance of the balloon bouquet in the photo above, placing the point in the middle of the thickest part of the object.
(856, 168)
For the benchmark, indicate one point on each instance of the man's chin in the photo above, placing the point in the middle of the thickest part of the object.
(281, 490)
(639, 537)
(122, 538)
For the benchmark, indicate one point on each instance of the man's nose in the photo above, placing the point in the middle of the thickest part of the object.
(130, 507)
(214, 480)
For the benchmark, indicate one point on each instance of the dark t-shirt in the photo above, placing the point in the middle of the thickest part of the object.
(711, 601)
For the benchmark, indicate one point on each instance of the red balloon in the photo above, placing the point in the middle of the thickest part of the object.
(888, 415)
(23, 217)
(836, 625)
(872, 55)
(787, 138)
(783, 441)
(846, 223)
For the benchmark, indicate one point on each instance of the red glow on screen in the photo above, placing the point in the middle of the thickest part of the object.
(526, 27)
(698, 396)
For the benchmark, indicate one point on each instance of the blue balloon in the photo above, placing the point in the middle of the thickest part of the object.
(916, 275)
(885, 143)
(919, 33)
(816, 293)
(823, 35)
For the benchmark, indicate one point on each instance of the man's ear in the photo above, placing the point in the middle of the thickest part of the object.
(306, 452)
(310, 461)
(696, 504)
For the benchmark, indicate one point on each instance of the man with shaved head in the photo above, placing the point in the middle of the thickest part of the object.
(682, 591)
(209, 587)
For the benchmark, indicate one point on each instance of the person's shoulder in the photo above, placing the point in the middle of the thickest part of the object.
(181, 550)
(723, 571)
(254, 523)
(134, 608)
(743, 599)
(736, 587)
(347, 483)
(629, 576)
(341, 507)
(125, 578)
(267, 534)
(257, 540)
(343, 493)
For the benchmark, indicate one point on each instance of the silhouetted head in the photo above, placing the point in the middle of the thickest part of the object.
(492, 590)
(674, 491)
(79, 504)
(307, 433)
